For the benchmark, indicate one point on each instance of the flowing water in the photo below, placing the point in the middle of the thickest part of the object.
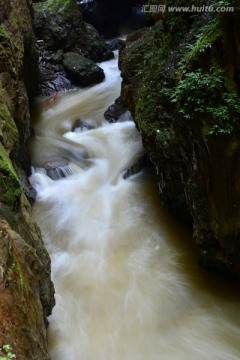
(127, 284)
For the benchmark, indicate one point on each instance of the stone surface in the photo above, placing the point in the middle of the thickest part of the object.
(26, 291)
(81, 70)
(60, 25)
(114, 111)
(181, 83)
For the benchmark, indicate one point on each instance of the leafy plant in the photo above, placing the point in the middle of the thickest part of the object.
(15, 271)
(205, 93)
(7, 351)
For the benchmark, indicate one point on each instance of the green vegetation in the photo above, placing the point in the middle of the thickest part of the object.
(204, 94)
(10, 186)
(14, 272)
(6, 51)
(57, 7)
(170, 85)
(203, 41)
(7, 351)
(9, 124)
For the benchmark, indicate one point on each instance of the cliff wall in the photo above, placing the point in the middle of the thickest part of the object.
(26, 291)
(181, 83)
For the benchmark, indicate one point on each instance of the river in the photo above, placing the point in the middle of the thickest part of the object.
(126, 277)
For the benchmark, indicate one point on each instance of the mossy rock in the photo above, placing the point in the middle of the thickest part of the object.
(82, 71)
(8, 129)
(60, 25)
(9, 184)
(6, 49)
(58, 22)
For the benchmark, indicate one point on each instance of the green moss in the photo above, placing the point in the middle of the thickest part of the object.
(10, 186)
(54, 6)
(6, 51)
(9, 124)
(4, 32)
(14, 273)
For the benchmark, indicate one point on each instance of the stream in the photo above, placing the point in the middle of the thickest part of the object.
(125, 272)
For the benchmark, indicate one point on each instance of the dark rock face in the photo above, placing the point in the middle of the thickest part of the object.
(26, 291)
(181, 83)
(84, 72)
(109, 15)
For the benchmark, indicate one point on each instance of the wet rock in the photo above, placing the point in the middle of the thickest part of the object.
(82, 71)
(143, 163)
(114, 112)
(57, 170)
(52, 77)
(115, 44)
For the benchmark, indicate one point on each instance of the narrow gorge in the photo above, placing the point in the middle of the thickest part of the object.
(129, 207)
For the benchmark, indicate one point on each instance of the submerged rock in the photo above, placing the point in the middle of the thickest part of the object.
(82, 71)
(181, 83)
(57, 170)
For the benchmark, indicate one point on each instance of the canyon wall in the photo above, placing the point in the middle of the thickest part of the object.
(181, 83)
(26, 290)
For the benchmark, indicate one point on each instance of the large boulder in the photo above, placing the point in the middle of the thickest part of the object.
(60, 25)
(26, 290)
(82, 71)
(181, 83)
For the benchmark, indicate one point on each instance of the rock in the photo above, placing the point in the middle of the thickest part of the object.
(114, 112)
(143, 163)
(92, 46)
(59, 28)
(82, 71)
(80, 125)
(27, 293)
(60, 25)
(52, 77)
(176, 83)
(57, 170)
(115, 44)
